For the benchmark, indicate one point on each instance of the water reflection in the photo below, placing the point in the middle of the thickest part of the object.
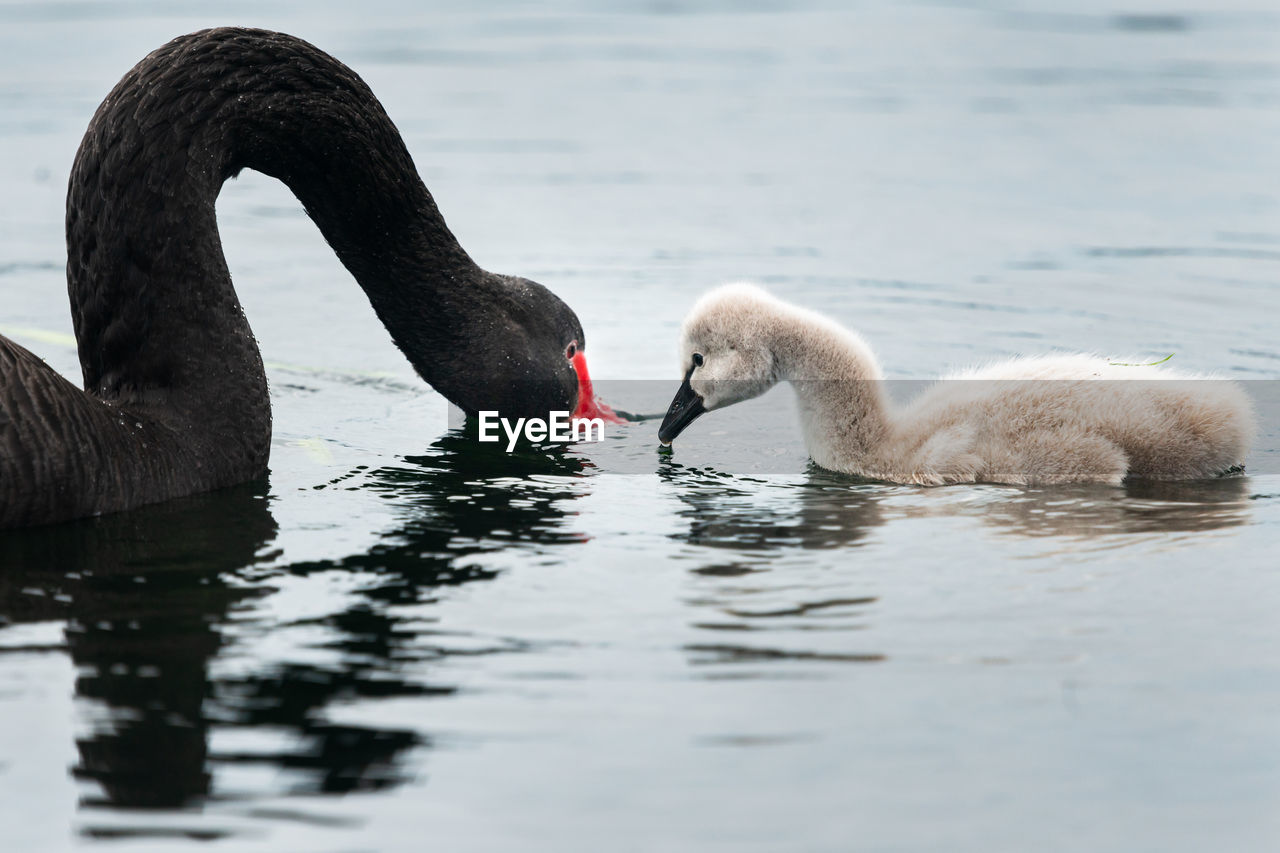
(142, 594)
(756, 516)
(758, 524)
(147, 598)
(457, 502)
(1139, 507)
(743, 537)
(461, 499)
(830, 510)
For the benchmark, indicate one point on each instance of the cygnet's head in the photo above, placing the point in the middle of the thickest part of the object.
(725, 353)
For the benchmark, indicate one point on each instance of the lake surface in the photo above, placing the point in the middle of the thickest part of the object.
(403, 638)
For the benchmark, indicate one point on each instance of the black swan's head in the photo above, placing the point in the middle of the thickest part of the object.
(514, 348)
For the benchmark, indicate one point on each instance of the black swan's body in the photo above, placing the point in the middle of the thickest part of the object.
(175, 398)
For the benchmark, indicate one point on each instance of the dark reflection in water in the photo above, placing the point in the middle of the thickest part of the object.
(730, 653)
(825, 511)
(460, 500)
(463, 499)
(146, 597)
(725, 511)
(142, 594)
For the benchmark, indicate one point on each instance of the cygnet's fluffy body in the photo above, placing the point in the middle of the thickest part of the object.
(1029, 421)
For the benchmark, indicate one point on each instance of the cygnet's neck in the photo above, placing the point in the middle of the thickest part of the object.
(843, 411)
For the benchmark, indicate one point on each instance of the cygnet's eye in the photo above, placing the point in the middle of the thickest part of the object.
(697, 359)
(571, 350)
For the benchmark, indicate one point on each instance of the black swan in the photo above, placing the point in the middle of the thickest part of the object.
(175, 398)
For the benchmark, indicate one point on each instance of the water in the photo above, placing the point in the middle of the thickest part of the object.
(404, 636)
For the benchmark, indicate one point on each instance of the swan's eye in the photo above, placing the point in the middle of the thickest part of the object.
(697, 359)
(571, 350)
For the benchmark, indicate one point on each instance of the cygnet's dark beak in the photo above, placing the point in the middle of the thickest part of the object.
(685, 408)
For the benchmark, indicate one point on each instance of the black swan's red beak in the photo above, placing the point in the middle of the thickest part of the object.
(589, 406)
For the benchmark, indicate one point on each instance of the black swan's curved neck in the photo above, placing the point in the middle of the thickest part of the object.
(156, 317)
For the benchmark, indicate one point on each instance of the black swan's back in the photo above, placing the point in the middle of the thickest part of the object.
(63, 454)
